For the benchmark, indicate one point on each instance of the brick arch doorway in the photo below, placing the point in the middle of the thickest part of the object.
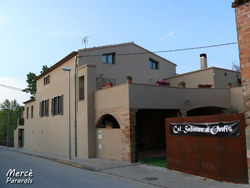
(150, 132)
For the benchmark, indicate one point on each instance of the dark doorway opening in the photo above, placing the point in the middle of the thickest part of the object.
(151, 133)
(205, 111)
(20, 138)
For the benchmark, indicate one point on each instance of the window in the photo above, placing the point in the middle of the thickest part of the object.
(27, 112)
(44, 108)
(108, 58)
(153, 64)
(57, 105)
(81, 88)
(46, 80)
(31, 113)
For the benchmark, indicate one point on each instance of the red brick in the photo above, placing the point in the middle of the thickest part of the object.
(246, 10)
(243, 51)
(244, 60)
(245, 55)
(245, 26)
(245, 36)
(245, 72)
(243, 17)
(247, 45)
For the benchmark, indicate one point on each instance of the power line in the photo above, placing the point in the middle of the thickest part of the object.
(11, 87)
(167, 51)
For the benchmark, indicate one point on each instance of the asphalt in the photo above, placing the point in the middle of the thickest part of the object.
(157, 176)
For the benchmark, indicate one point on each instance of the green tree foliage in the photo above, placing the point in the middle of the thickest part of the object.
(44, 68)
(31, 87)
(231, 110)
(15, 111)
(31, 81)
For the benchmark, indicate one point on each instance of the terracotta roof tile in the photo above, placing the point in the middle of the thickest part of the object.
(237, 3)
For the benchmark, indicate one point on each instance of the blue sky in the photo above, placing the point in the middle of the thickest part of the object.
(41, 32)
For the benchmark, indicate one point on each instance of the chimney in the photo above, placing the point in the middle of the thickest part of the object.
(203, 58)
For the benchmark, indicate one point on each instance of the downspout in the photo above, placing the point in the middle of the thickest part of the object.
(75, 110)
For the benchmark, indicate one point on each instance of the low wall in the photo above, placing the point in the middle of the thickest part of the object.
(108, 143)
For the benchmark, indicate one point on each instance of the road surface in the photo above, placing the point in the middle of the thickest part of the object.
(45, 173)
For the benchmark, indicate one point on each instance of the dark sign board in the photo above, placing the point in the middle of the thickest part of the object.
(214, 129)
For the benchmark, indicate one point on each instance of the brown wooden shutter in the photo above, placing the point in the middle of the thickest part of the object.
(52, 107)
(61, 104)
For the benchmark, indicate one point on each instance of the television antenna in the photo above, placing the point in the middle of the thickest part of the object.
(85, 40)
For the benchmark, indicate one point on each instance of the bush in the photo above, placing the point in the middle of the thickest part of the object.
(231, 110)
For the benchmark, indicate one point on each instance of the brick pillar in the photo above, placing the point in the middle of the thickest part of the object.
(128, 152)
(242, 13)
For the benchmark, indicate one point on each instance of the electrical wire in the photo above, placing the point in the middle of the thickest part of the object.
(11, 87)
(167, 51)
(147, 52)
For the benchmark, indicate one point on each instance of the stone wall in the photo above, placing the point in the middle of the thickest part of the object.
(127, 120)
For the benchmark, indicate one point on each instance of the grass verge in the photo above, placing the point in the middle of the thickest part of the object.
(155, 161)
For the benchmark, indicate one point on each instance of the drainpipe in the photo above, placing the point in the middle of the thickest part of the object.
(75, 110)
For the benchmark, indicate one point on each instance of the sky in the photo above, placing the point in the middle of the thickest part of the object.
(34, 33)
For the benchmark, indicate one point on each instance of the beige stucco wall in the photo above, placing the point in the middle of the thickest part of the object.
(136, 66)
(85, 114)
(160, 97)
(205, 76)
(110, 143)
(50, 134)
(221, 81)
(193, 79)
(236, 98)
(143, 96)
(112, 97)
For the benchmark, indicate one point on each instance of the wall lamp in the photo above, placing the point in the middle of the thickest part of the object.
(187, 102)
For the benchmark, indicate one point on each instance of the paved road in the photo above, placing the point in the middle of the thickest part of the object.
(51, 174)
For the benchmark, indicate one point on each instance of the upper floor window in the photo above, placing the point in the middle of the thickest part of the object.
(57, 105)
(46, 80)
(44, 108)
(81, 88)
(108, 58)
(153, 64)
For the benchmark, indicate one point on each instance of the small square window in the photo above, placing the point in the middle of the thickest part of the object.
(108, 58)
(153, 64)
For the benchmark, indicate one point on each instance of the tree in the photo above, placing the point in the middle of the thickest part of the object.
(31, 80)
(44, 68)
(235, 66)
(31, 87)
(15, 112)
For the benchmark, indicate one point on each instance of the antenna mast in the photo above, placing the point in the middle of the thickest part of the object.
(85, 40)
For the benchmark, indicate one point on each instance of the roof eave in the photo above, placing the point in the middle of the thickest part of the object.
(72, 54)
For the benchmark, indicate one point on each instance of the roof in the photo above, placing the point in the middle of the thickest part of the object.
(72, 54)
(125, 44)
(237, 3)
(31, 100)
(201, 71)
